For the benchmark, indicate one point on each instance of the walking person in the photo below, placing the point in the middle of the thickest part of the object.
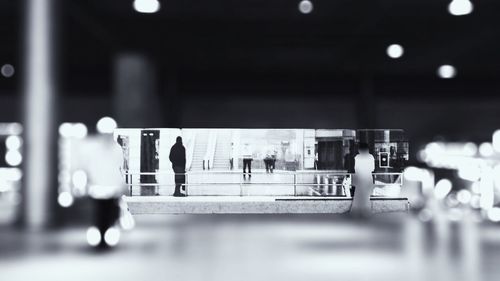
(364, 165)
(269, 161)
(178, 158)
(247, 156)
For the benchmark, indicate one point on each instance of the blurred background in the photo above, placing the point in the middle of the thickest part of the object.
(71, 71)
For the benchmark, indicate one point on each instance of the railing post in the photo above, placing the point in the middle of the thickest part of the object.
(295, 184)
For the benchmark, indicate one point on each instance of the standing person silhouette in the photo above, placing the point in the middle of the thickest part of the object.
(178, 158)
(364, 165)
(247, 156)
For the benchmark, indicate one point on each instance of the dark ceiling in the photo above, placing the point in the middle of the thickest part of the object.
(269, 47)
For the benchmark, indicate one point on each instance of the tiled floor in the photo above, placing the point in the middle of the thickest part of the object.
(232, 247)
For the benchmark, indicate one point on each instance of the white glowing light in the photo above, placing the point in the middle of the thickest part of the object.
(496, 140)
(75, 130)
(469, 171)
(470, 149)
(464, 196)
(395, 51)
(443, 187)
(65, 199)
(460, 7)
(106, 125)
(7, 70)
(486, 149)
(147, 6)
(93, 236)
(79, 179)
(494, 214)
(447, 71)
(413, 174)
(79, 130)
(13, 142)
(65, 130)
(112, 236)
(13, 158)
(305, 6)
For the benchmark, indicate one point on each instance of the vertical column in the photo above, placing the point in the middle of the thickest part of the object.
(39, 116)
(136, 102)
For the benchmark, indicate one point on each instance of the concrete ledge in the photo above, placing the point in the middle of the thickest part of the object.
(139, 205)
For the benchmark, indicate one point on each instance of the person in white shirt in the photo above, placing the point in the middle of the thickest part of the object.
(364, 165)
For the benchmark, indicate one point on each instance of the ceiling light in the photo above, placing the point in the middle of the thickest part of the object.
(7, 70)
(447, 71)
(395, 51)
(460, 7)
(147, 6)
(305, 6)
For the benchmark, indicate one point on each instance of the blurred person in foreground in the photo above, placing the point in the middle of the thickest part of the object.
(178, 158)
(364, 165)
(105, 181)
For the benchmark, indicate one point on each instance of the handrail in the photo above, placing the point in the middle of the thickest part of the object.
(293, 180)
(210, 154)
(190, 152)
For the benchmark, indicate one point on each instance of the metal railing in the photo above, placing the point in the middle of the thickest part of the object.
(291, 183)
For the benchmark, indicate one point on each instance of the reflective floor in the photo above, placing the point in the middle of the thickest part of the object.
(232, 247)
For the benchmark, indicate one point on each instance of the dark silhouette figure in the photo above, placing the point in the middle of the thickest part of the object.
(247, 160)
(178, 158)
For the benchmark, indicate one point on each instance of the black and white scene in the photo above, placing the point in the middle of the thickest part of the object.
(249, 140)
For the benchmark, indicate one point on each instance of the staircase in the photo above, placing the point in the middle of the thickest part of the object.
(200, 148)
(222, 150)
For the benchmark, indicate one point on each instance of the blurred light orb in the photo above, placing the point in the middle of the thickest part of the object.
(305, 6)
(65, 130)
(93, 236)
(447, 71)
(425, 215)
(496, 140)
(395, 51)
(112, 236)
(464, 196)
(13, 142)
(79, 130)
(470, 149)
(65, 199)
(486, 149)
(7, 70)
(494, 214)
(13, 158)
(460, 7)
(147, 6)
(413, 173)
(106, 125)
(79, 179)
(442, 188)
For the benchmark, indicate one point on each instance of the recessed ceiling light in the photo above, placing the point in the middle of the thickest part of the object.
(305, 6)
(7, 70)
(147, 6)
(447, 71)
(395, 51)
(460, 7)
